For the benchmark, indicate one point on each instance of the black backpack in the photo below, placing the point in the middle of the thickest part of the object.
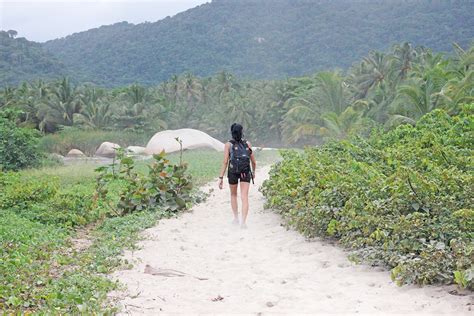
(239, 157)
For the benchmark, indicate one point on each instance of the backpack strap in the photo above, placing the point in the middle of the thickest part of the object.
(246, 145)
(231, 150)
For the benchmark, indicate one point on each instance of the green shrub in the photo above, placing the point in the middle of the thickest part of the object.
(40, 199)
(402, 198)
(18, 146)
(165, 186)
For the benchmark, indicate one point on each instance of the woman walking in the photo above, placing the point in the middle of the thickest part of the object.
(238, 157)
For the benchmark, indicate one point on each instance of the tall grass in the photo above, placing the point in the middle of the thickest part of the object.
(89, 140)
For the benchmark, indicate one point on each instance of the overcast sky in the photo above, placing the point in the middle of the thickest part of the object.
(41, 20)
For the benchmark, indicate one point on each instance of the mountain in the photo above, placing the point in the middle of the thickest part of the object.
(261, 39)
(23, 60)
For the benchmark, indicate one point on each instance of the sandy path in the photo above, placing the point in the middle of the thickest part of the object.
(265, 269)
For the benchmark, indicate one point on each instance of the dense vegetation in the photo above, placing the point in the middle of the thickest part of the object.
(61, 231)
(260, 38)
(383, 89)
(22, 60)
(401, 199)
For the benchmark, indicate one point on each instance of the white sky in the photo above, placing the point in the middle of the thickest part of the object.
(42, 20)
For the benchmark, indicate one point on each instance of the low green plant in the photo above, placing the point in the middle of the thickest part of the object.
(165, 186)
(401, 199)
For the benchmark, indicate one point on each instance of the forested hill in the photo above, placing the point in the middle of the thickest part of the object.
(262, 38)
(22, 60)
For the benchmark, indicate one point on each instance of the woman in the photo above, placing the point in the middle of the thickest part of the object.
(238, 156)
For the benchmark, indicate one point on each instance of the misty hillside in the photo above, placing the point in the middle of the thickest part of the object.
(261, 39)
(22, 60)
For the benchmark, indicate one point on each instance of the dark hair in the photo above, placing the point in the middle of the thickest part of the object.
(237, 132)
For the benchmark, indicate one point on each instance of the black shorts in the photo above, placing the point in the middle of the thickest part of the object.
(235, 177)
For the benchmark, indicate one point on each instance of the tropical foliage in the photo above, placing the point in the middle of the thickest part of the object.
(388, 89)
(401, 199)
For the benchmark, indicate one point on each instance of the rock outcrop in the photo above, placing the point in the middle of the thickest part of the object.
(135, 150)
(191, 138)
(107, 150)
(75, 153)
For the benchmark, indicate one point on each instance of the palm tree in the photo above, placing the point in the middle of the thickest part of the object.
(190, 90)
(300, 123)
(95, 113)
(225, 84)
(457, 91)
(304, 117)
(349, 122)
(63, 104)
(271, 98)
(332, 91)
(140, 109)
(374, 70)
(415, 99)
(402, 59)
(31, 99)
(464, 59)
(240, 110)
(7, 97)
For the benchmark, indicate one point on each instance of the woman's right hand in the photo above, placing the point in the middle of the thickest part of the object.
(221, 184)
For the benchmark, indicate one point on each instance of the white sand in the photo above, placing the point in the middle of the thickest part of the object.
(264, 269)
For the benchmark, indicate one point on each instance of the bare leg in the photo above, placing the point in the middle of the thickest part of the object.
(244, 194)
(233, 202)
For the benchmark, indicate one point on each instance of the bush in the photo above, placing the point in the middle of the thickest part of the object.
(166, 186)
(402, 198)
(40, 199)
(18, 146)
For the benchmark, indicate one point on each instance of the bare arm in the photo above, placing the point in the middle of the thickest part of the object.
(253, 161)
(225, 162)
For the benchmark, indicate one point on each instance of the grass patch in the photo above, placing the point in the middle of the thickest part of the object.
(89, 140)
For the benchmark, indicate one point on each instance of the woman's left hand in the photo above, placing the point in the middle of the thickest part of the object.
(221, 184)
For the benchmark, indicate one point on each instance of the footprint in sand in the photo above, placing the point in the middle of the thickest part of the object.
(325, 264)
(346, 284)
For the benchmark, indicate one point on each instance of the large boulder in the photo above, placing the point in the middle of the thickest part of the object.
(191, 139)
(75, 153)
(107, 150)
(136, 150)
